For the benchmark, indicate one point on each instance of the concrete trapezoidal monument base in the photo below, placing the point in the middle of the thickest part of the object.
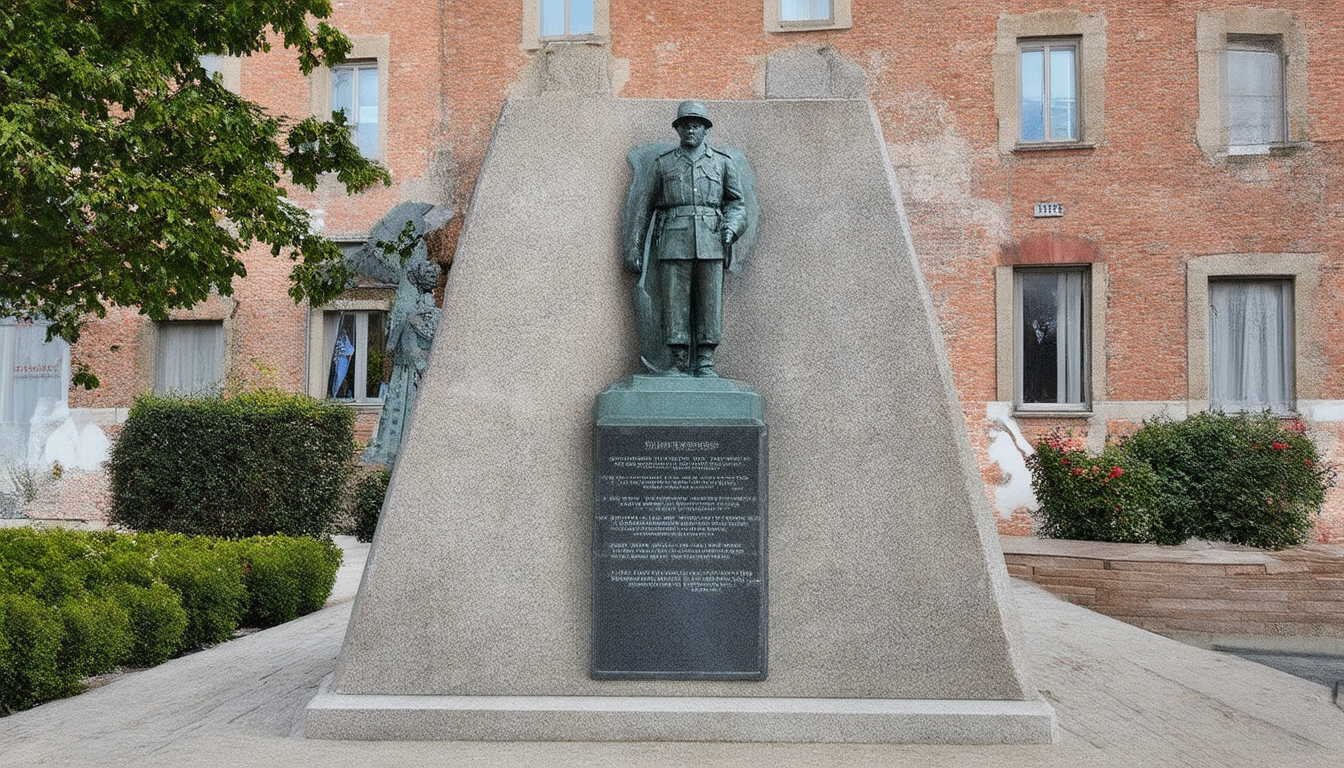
(889, 613)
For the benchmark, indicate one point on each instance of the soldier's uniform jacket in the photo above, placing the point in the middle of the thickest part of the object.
(697, 195)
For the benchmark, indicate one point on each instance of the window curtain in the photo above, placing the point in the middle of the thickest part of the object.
(32, 370)
(1254, 96)
(1069, 351)
(338, 335)
(1053, 342)
(1250, 345)
(190, 358)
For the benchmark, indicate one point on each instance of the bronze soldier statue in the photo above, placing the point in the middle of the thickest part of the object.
(695, 191)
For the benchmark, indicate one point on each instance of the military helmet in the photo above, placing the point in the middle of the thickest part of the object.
(688, 110)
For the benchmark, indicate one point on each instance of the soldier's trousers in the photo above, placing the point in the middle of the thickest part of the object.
(692, 298)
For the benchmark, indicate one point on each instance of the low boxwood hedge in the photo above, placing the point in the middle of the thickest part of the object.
(80, 603)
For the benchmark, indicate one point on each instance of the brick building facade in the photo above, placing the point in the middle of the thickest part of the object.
(1084, 182)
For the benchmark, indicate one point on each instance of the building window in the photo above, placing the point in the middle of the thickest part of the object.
(566, 18)
(1050, 80)
(360, 365)
(1251, 345)
(804, 10)
(213, 64)
(354, 92)
(190, 358)
(1254, 78)
(1051, 338)
(1048, 90)
(807, 15)
(1252, 71)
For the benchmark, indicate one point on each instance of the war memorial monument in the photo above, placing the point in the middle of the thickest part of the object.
(742, 507)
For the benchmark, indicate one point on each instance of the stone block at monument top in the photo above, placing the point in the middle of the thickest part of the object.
(890, 618)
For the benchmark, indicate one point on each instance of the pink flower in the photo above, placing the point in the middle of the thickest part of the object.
(1278, 446)
(1116, 472)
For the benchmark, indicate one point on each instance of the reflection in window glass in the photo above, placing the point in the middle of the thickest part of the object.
(1048, 86)
(212, 63)
(1255, 103)
(354, 92)
(566, 18)
(805, 10)
(1052, 342)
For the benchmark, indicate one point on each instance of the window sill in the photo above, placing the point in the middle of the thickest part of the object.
(1054, 146)
(1277, 149)
(361, 406)
(574, 39)
(1054, 413)
(801, 26)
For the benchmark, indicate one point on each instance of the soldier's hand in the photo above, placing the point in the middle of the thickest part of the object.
(728, 237)
(632, 262)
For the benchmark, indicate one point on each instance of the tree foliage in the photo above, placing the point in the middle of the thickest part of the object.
(128, 176)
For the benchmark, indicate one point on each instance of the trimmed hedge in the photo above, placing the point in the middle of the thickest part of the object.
(252, 465)
(79, 603)
(368, 503)
(1250, 479)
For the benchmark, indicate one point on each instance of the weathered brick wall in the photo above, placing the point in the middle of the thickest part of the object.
(1144, 201)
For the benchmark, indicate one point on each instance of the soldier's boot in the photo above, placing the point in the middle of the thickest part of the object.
(704, 362)
(679, 365)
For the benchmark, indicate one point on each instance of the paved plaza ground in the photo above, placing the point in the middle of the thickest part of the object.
(1124, 697)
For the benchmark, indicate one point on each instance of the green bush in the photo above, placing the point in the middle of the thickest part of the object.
(255, 464)
(97, 636)
(30, 669)
(368, 503)
(1246, 479)
(287, 577)
(158, 622)
(1249, 478)
(1110, 497)
(76, 603)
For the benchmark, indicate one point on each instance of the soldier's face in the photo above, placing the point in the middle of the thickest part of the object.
(692, 133)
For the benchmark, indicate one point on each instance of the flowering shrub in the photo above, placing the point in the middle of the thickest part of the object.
(1110, 497)
(1245, 478)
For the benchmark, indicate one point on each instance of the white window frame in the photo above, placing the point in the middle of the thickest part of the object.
(1284, 288)
(356, 68)
(1008, 334)
(1046, 46)
(1089, 29)
(567, 17)
(319, 350)
(1271, 44)
(359, 364)
(841, 17)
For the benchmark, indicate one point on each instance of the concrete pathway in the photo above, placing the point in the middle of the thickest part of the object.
(1124, 697)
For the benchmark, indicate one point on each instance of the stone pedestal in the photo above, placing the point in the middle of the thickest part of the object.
(890, 617)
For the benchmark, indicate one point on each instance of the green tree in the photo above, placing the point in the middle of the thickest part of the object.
(130, 177)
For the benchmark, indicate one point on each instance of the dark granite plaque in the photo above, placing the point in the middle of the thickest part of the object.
(679, 561)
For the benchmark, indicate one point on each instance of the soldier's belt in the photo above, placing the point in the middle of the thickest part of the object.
(690, 211)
